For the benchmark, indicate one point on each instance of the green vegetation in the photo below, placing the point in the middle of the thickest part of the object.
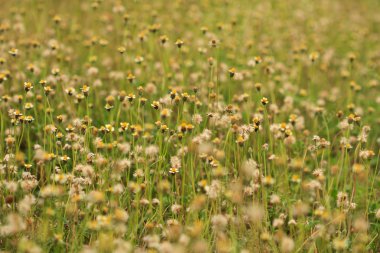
(189, 126)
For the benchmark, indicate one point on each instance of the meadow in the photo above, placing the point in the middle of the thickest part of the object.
(189, 126)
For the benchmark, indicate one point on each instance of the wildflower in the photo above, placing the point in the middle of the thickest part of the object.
(142, 101)
(351, 56)
(258, 59)
(13, 51)
(240, 140)
(232, 72)
(255, 213)
(340, 244)
(258, 86)
(121, 97)
(300, 209)
(189, 127)
(366, 154)
(15, 223)
(249, 168)
(109, 128)
(264, 101)
(360, 225)
(154, 28)
(268, 180)
(28, 166)
(278, 222)
(96, 197)
(51, 191)
(179, 43)
(139, 59)
(25, 205)
(121, 215)
(292, 119)
(197, 119)
(163, 39)
(121, 49)
(265, 236)
(295, 178)
(64, 158)
(48, 90)
(3, 77)
(55, 71)
(175, 162)
(28, 119)
(173, 170)
(210, 61)
(275, 199)
(70, 128)
(85, 89)
(357, 168)
(57, 19)
(176, 208)
(130, 77)
(155, 105)
(110, 100)
(70, 91)
(314, 56)
(131, 97)
(213, 43)
(165, 113)
(124, 126)
(287, 244)
(28, 86)
(342, 200)
(219, 222)
(108, 107)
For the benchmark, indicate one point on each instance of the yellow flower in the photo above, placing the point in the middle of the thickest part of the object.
(124, 126)
(232, 72)
(108, 107)
(155, 105)
(179, 43)
(121, 49)
(314, 56)
(357, 168)
(173, 170)
(64, 158)
(130, 77)
(13, 51)
(85, 89)
(264, 101)
(28, 166)
(109, 128)
(28, 86)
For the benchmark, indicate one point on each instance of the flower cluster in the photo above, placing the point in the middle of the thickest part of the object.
(189, 126)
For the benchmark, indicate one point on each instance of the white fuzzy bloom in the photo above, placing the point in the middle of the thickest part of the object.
(11, 186)
(249, 169)
(214, 189)
(219, 222)
(151, 150)
(197, 119)
(254, 213)
(287, 244)
(15, 223)
(176, 208)
(26, 203)
(175, 162)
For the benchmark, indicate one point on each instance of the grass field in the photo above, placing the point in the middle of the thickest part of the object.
(189, 126)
